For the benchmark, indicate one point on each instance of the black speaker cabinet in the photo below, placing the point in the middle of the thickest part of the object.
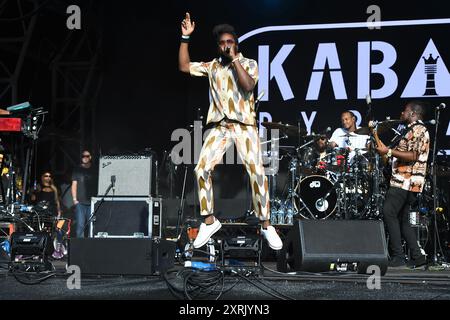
(31, 243)
(121, 256)
(318, 245)
(124, 216)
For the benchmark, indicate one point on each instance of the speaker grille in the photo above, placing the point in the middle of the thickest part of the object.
(133, 175)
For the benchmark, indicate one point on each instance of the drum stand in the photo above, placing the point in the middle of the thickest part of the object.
(292, 193)
(355, 195)
(377, 197)
(376, 190)
(287, 209)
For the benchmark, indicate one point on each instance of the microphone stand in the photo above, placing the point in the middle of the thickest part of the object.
(435, 191)
(181, 208)
(183, 191)
(94, 214)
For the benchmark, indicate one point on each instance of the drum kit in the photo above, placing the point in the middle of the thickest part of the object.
(326, 183)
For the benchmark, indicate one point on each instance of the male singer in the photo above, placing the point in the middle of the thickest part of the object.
(232, 78)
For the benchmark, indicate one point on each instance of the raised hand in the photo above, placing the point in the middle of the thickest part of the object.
(187, 26)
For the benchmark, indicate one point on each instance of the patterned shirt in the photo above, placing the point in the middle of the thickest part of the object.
(228, 98)
(406, 175)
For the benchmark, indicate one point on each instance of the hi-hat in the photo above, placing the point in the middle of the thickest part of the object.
(382, 126)
(288, 129)
(363, 130)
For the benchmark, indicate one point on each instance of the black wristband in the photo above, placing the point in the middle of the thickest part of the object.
(184, 40)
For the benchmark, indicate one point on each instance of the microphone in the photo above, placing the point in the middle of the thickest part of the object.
(113, 182)
(369, 115)
(227, 49)
(442, 106)
(432, 122)
(261, 94)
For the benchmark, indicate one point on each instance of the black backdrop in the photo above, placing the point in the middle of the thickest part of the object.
(144, 97)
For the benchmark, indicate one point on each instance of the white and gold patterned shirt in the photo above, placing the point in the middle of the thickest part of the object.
(228, 98)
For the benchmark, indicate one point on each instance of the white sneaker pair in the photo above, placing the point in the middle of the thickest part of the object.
(206, 231)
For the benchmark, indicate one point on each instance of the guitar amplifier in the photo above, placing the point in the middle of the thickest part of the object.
(133, 175)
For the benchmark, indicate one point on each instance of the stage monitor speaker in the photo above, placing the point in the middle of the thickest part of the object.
(121, 256)
(31, 243)
(133, 175)
(320, 245)
(127, 216)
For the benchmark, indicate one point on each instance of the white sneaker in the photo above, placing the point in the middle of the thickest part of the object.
(272, 238)
(205, 233)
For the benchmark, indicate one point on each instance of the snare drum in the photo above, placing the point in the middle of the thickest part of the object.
(336, 160)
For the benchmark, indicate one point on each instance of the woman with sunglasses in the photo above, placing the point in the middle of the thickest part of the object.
(46, 192)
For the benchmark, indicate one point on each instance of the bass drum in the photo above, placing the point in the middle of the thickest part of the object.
(315, 193)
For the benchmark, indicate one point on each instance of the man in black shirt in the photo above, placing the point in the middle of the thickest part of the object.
(84, 184)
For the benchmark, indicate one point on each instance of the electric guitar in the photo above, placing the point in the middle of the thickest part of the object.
(373, 125)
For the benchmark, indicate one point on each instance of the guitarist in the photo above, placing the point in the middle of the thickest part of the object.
(409, 162)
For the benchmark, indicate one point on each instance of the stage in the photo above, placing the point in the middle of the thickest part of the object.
(314, 135)
(397, 284)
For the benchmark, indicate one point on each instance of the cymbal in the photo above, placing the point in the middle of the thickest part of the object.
(390, 122)
(315, 136)
(382, 127)
(363, 130)
(366, 131)
(348, 135)
(361, 149)
(288, 129)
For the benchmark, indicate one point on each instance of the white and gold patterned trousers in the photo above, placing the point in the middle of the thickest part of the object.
(248, 146)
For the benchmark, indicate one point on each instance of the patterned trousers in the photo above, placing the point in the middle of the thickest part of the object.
(248, 147)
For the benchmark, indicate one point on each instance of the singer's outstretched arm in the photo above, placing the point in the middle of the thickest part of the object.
(187, 27)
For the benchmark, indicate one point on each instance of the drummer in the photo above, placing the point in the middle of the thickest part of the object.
(346, 137)
(321, 148)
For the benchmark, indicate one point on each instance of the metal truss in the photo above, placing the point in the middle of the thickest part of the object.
(16, 30)
(76, 82)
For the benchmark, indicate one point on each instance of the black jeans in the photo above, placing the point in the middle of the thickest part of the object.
(396, 218)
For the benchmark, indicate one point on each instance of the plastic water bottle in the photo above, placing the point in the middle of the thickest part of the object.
(290, 216)
(274, 217)
(280, 215)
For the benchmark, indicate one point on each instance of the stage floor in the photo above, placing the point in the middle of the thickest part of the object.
(397, 284)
